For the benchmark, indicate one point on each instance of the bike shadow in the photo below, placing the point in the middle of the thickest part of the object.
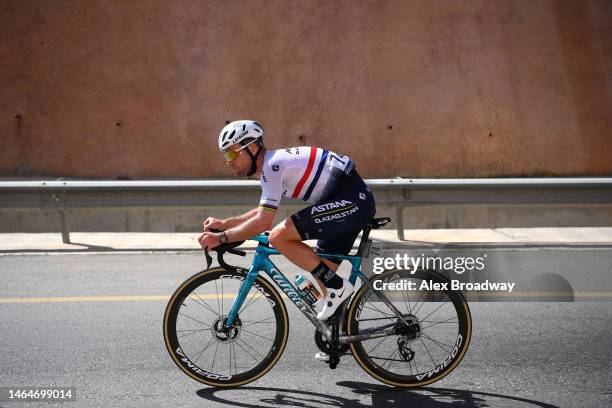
(381, 397)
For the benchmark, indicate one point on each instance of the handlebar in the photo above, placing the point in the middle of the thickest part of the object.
(221, 249)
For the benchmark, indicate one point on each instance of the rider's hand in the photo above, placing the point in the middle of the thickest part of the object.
(209, 240)
(213, 223)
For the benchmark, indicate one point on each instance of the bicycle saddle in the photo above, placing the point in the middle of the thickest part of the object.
(377, 223)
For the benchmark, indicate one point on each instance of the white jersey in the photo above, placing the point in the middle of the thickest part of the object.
(306, 173)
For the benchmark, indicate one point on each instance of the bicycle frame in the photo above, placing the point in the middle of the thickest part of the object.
(262, 262)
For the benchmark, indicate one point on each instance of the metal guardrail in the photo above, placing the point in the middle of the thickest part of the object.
(64, 196)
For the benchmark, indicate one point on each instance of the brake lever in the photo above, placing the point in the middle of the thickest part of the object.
(207, 254)
(208, 258)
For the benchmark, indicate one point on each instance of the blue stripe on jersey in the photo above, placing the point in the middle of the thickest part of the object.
(349, 167)
(316, 177)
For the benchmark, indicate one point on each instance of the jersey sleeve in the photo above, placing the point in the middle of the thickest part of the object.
(271, 187)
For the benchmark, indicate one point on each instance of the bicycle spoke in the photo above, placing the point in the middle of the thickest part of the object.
(254, 298)
(212, 339)
(387, 359)
(218, 302)
(235, 365)
(230, 359)
(203, 304)
(222, 296)
(375, 347)
(407, 304)
(438, 308)
(257, 321)
(372, 307)
(247, 304)
(189, 317)
(391, 363)
(192, 332)
(215, 357)
(426, 349)
(255, 334)
(438, 343)
(246, 351)
(251, 323)
(414, 309)
(251, 347)
(447, 321)
(390, 358)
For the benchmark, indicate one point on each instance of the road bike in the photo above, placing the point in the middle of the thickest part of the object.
(228, 326)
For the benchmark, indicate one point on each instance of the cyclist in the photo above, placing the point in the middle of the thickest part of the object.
(341, 205)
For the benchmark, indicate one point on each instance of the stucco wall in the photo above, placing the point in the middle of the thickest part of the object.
(407, 88)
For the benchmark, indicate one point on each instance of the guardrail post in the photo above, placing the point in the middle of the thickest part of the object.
(65, 229)
(399, 217)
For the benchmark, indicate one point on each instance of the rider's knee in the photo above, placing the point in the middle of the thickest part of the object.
(276, 236)
(281, 233)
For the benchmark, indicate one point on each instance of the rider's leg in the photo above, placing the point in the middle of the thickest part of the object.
(287, 240)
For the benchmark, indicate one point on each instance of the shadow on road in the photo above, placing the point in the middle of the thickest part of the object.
(381, 397)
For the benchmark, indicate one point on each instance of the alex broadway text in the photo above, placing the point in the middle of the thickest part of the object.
(406, 284)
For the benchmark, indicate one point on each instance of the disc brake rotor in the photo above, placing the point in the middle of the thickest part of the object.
(223, 333)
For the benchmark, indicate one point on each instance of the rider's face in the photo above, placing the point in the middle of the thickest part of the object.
(241, 164)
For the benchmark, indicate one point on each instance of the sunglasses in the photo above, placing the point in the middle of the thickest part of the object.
(232, 154)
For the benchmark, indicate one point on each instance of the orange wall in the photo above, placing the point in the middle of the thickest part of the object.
(407, 88)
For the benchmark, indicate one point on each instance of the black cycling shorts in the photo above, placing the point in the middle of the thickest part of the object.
(336, 220)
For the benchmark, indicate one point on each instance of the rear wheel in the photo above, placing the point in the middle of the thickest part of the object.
(429, 346)
(208, 351)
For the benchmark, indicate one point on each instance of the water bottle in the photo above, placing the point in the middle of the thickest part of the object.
(307, 289)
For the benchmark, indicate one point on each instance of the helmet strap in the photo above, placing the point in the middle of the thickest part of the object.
(254, 159)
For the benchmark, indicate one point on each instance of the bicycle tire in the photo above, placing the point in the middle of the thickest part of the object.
(187, 292)
(418, 379)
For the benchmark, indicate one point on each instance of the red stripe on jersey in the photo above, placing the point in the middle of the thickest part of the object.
(300, 185)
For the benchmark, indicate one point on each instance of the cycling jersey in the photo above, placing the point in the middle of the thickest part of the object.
(342, 202)
(307, 173)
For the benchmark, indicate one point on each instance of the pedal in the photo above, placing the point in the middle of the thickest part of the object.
(333, 361)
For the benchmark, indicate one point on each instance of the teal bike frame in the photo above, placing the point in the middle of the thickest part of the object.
(261, 262)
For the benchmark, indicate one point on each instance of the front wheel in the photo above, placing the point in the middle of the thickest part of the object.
(208, 351)
(425, 348)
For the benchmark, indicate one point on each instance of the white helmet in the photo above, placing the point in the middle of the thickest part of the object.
(237, 131)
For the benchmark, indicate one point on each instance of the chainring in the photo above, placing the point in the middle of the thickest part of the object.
(323, 344)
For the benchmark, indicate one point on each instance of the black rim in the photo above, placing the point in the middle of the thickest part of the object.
(428, 347)
(194, 322)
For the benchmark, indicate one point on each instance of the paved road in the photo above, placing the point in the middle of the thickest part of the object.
(112, 350)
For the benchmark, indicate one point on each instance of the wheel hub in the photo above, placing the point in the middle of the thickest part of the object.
(224, 333)
(411, 330)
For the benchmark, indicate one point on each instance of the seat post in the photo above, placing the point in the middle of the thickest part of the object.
(364, 241)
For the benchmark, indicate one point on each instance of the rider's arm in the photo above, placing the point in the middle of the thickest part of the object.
(271, 188)
(239, 219)
(262, 221)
